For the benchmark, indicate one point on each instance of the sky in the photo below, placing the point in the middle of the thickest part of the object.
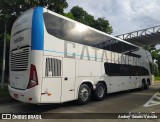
(123, 15)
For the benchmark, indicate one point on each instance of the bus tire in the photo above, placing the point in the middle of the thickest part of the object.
(84, 94)
(143, 85)
(147, 85)
(100, 92)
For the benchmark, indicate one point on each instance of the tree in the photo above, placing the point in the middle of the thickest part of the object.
(69, 15)
(155, 55)
(156, 71)
(7, 53)
(82, 16)
(11, 9)
(78, 13)
(57, 5)
(103, 25)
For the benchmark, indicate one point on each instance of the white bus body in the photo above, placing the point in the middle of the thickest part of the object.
(52, 57)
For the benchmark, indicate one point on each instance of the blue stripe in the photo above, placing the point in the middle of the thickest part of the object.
(37, 41)
(64, 53)
(70, 54)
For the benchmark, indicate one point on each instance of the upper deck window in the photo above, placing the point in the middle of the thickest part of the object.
(79, 33)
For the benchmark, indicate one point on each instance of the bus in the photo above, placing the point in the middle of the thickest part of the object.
(54, 59)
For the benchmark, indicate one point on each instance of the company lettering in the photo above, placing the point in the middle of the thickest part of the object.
(91, 53)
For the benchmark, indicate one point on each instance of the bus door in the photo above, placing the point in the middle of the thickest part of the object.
(68, 79)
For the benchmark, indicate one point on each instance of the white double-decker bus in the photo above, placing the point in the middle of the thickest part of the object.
(54, 59)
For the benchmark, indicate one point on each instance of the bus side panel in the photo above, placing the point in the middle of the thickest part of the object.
(51, 90)
(89, 68)
(51, 84)
(105, 78)
(87, 71)
(68, 79)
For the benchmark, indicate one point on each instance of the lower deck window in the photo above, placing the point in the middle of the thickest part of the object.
(124, 70)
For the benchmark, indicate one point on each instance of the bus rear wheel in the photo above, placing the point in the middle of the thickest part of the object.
(147, 85)
(143, 85)
(84, 94)
(100, 92)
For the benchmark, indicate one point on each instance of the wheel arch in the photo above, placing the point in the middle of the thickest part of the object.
(102, 81)
(91, 84)
(144, 80)
(88, 82)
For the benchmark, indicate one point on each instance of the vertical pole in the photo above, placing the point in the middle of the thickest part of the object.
(4, 56)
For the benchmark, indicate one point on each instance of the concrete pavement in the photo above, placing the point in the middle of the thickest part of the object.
(121, 102)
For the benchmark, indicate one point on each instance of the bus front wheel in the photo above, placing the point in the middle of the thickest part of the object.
(84, 94)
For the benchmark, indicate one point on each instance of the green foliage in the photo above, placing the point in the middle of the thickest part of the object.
(57, 5)
(78, 13)
(7, 53)
(156, 71)
(69, 15)
(155, 52)
(156, 57)
(11, 9)
(157, 78)
(82, 16)
(4, 92)
(103, 25)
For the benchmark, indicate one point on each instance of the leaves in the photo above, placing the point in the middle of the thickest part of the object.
(82, 16)
(11, 9)
(155, 52)
(156, 57)
(57, 5)
(103, 25)
(69, 15)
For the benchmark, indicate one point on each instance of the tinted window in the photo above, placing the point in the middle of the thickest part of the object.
(124, 70)
(117, 46)
(133, 55)
(79, 33)
(112, 69)
(112, 45)
(70, 31)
